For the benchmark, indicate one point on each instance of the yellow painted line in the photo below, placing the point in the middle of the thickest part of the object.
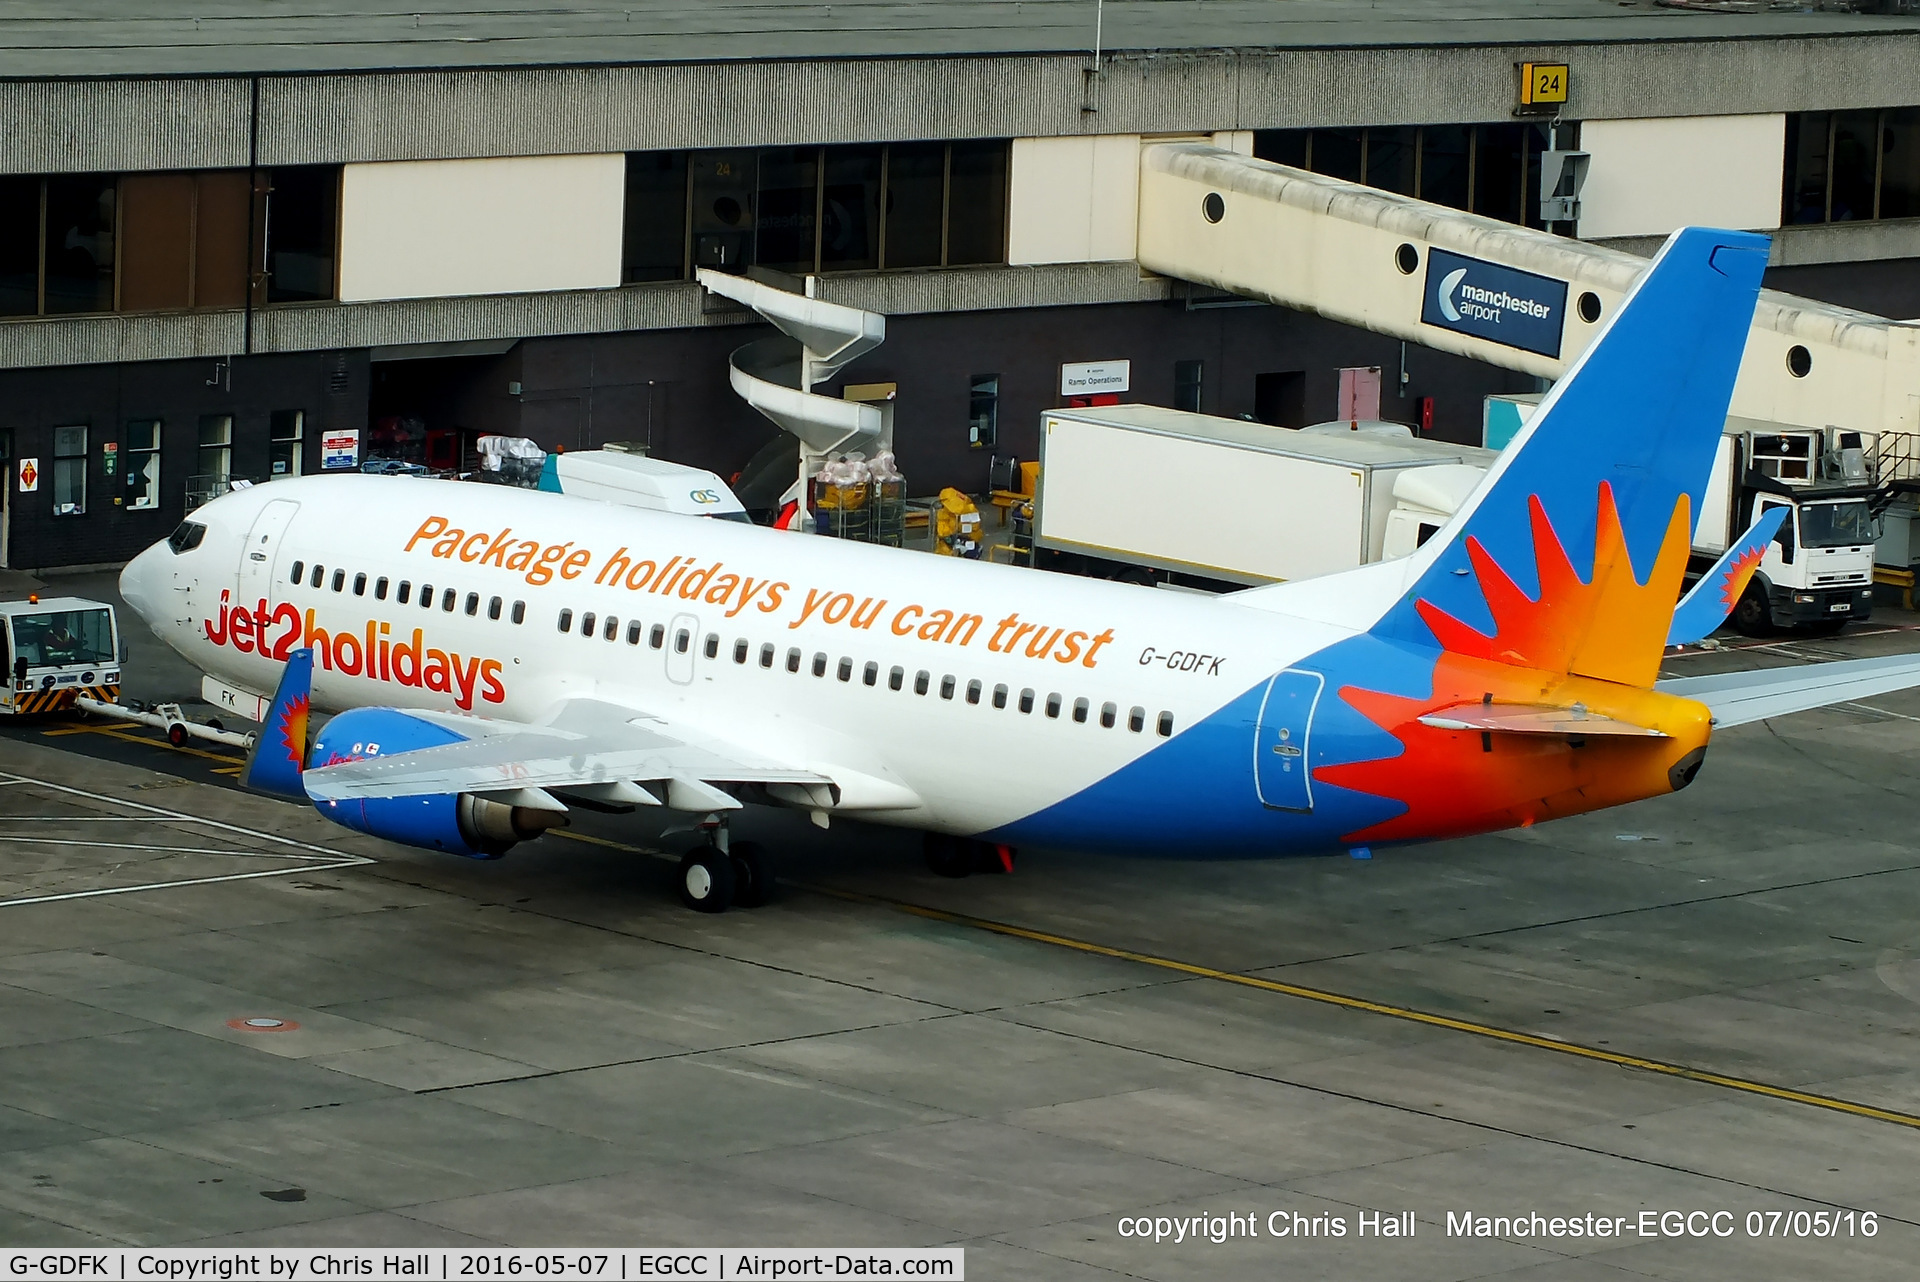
(571, 835)
(229, 770)
(54, 734)
(1346, 1002)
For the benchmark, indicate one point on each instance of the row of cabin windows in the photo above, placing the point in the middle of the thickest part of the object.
(1082, 710)
(403, 593)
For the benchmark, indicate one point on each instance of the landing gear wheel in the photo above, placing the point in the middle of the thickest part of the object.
(949, 856)
(706, 880)
(752, 874)
(1753, 616)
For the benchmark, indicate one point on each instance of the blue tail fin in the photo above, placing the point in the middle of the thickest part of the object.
(1570, 557)
(279, 754)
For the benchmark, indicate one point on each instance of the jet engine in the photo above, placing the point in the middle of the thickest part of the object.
(465, 824)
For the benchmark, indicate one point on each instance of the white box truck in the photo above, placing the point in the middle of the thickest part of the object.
(1818, 571)
(1150, 494)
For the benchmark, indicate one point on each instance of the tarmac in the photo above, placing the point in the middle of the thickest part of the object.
(1708, 1002)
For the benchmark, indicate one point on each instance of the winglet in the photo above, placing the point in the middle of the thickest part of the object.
(1719, 589)
(279, 754)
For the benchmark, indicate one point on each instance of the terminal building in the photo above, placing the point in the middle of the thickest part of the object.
(243, 245)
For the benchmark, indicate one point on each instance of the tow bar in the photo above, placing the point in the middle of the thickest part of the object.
(167, 717)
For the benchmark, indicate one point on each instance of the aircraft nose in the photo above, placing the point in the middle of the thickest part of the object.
(141, 582)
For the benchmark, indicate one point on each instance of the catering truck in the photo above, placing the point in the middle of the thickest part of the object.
(1818, 571)
(1158, 495)
(57, 649)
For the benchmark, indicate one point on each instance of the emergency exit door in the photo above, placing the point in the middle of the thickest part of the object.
(1280, 760)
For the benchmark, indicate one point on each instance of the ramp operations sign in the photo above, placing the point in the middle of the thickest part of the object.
(1500, 304)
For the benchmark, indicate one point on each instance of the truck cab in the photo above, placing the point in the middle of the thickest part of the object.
(56, 649)
(1818, 571)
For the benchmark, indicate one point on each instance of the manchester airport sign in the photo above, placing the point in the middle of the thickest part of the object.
(1500, 304)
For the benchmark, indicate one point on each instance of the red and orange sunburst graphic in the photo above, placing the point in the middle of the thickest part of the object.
(1596, 641)
(292, 730)
(1733, 585)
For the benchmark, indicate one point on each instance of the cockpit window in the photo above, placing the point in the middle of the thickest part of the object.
(186, 536)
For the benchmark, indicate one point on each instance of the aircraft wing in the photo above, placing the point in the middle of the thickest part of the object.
(1739, 697)
(1720, 589)
(602, 752)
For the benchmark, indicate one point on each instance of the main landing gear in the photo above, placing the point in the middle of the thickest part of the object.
(949, 856)
(725, 874)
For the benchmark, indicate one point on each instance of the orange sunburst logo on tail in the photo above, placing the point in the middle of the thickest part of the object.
(1596, 641)
(292, 731)
(1734, 584)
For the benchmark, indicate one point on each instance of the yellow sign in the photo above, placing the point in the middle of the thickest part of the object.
(1543, 83)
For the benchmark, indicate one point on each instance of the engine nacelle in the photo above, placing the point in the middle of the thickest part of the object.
(458, 823)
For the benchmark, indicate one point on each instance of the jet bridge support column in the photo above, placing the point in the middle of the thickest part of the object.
(1366, 257)
(777, 375)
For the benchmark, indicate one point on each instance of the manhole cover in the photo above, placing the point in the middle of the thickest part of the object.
(262, 1024)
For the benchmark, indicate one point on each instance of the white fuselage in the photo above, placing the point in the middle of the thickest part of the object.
(704, 623)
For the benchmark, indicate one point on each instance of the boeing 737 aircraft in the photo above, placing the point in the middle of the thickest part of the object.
(498, 656)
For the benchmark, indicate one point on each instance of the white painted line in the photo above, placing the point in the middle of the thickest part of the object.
(172, 850)
(1882, 712)
(6, 779)
(170, 885)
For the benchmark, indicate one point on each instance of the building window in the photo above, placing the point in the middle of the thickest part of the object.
(302, 218)
(285, 429)
(983, 411)
(215, 464)
(183, 240)
(1847, 166)
(76, 265)
(141, 448)
(808, 209)
(1490, 169)
(1186, 385)
(69, 471)
(19, 246)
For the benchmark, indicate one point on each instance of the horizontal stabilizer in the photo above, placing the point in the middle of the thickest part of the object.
(1532, 718)
(1737, 698)
(1720, 589)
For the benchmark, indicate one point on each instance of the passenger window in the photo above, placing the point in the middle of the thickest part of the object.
(1000, 696)
(1053, 705)
(339, 580)
(740, 650)
(405, 594)
(946, 687)
(1166, 725)
(493, 607)
(319, 573)
(766, 655)
(634, 630)
(657, 637)
(895, 677)
(845, 671)
(973, 692)
(426, 599)
(1107, 714)
(519, 608)
(819, 663)
(1080, 711)
(870, 675)
(473, 605)
(793, 660)
(712, 648)
(1026, 700)
(359, 585)
(682, 640)
(920, 681)
(566, 620)
(380, 588)
(586, 624)
(1137, 720)
(447, 598)
(610, 630)
(299, 573)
